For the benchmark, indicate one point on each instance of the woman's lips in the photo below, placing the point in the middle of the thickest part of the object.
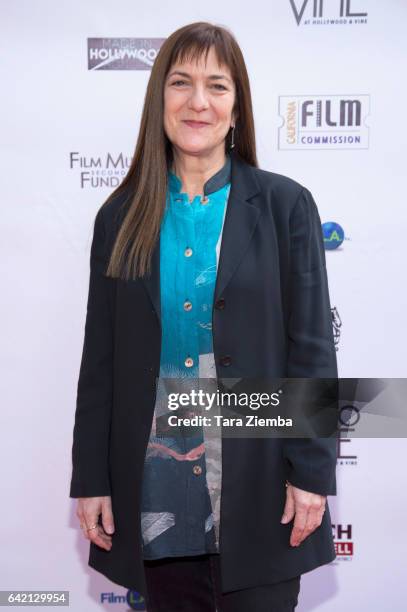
(196, 124)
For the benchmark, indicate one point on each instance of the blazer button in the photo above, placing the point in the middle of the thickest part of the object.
(197, 470)
(226, 360)
(220, 304)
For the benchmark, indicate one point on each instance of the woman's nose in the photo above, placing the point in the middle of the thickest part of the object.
(198, 99)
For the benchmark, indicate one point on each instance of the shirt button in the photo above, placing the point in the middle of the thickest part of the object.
(188, 252)
(204, 200)
(197, 470)
(187, 305)
(189, 362)
(226, 360)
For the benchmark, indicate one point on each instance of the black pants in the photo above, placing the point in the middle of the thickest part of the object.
(192, 584)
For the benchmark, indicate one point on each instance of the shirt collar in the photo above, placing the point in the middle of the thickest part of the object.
(214, 183)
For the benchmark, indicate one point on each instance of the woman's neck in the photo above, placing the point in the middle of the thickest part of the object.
(194, 171)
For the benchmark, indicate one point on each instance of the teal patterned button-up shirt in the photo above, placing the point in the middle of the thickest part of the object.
(178, 508)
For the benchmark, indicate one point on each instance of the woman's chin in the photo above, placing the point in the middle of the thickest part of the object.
(195, 147)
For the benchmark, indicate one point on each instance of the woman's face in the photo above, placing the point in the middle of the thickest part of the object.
(198, 103)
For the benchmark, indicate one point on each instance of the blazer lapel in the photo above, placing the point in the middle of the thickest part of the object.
(239, 225)
(240, 221)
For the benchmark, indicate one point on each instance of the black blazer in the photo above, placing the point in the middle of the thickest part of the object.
(275, 322)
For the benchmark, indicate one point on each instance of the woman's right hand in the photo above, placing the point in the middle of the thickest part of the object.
(88, 511)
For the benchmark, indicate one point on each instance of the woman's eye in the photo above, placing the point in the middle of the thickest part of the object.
(217, 86)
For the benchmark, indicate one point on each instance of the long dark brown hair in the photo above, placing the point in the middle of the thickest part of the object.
(146, 180)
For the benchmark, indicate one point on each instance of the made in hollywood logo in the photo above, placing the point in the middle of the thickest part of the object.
(101, 171)
(339, 12)
(323, 122)
(123, 53)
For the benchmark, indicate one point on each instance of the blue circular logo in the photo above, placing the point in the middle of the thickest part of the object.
(333, 235)
(135, 600)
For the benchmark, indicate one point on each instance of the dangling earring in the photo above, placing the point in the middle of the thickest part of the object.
(232, 143)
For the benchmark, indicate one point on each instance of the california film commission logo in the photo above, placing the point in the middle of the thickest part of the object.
(122, 53)
(334, 12)
(323, 122)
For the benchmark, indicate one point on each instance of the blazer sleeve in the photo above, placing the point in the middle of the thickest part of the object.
(90, 449)
(310, 462)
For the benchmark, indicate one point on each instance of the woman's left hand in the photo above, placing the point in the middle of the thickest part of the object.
(308, 509)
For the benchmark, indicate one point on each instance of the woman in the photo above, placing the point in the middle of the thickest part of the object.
(201, 265)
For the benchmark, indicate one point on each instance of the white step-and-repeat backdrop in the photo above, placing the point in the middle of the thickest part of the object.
(328, 86)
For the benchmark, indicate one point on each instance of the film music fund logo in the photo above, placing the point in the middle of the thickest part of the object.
(122, 53)
(323, 122)
(99, 171)
(333, 12)
(343, 541)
